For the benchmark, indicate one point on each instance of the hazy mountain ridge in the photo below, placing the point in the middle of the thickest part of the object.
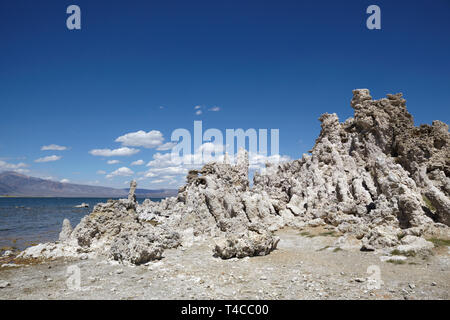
(15, 184)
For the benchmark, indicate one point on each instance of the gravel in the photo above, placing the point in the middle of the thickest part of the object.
(296, 270)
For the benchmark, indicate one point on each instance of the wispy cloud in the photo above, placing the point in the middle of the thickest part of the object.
(53, 147)
(48, 159)
(214, 109)
(113, 162)
(198, 110)
(18, 167)
(101, 172)
(115, 152)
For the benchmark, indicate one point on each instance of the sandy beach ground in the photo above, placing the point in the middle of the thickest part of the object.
(303, 267)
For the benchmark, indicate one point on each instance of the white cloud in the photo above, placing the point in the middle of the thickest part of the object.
(48, 159)
(137, 163)
(101, 172)
(122, 172)
(166, 146)
(149, 174)
(167, 172)
(65, 181)
(160, 160)
(210, 147)
(115, 152)
(113, 162)
(258, 161)
(198, 112)
(141, 138)
(158, 181)
(214, 109)
(173, 170)
(23, 171)
(164, 160)
(53, 147)
(167, 181)
(18, 167)
(197, 107)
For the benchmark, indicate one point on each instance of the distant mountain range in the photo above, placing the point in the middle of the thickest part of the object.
(15, 184)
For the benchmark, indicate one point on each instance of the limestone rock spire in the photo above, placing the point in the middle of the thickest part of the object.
(132, 192)
(242, 163)
(226, 158)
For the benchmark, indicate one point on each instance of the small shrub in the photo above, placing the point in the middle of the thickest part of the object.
(328, 234)
(153, 222)
(396, 252)
(306, 234)
(429, 204)
(396, 261)
(409, 253)
(440, 242)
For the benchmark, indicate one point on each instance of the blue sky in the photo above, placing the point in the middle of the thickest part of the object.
(145, 65)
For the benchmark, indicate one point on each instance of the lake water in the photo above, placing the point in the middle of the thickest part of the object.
(27, 221)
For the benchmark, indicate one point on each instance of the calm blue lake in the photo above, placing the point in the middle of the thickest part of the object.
(26, 221)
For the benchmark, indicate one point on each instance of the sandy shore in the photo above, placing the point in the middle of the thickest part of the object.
(302, 267)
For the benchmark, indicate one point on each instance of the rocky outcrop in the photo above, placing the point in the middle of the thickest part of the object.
(376, 178)
(375, 175)
(113, 230)
(217, 202)
(255, 241)
(412, 245)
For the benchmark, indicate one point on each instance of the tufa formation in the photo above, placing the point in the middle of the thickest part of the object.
(375, 178)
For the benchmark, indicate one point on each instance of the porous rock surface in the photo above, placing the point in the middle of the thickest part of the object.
(113, 230)
(375, 177)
